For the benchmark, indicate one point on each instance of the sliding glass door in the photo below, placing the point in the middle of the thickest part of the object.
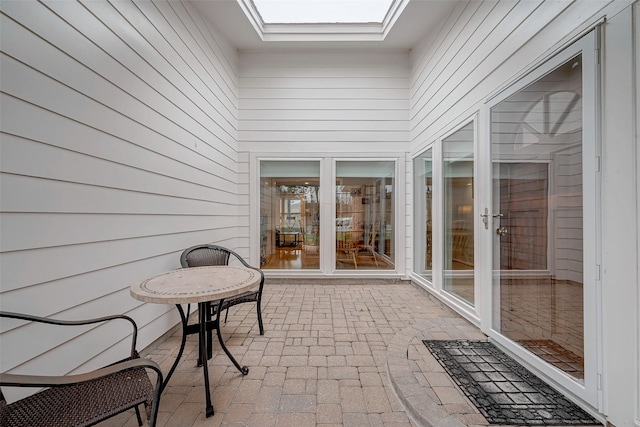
(537, 191)
(506, 227)
(543, 162)
(458, 217)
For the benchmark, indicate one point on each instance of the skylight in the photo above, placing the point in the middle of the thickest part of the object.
(322, 11)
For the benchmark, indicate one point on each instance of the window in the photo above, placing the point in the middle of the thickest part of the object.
(289, 215)
(353, 231)
(423, 214)
(322, 11)
(458, 216)
(365, 215)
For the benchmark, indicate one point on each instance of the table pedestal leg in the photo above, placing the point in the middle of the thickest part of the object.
(204, 344)
(209, 337)
(203, 309)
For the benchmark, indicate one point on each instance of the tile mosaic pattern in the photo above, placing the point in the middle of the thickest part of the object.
(503, 390)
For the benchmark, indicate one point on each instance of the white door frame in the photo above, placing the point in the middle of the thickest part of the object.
(587, 392)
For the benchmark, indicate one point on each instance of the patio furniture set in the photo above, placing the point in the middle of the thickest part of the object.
(88, 398)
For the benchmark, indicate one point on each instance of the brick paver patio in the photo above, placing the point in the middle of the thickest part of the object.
(347, 354)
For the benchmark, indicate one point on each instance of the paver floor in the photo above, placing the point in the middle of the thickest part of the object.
(325, 360)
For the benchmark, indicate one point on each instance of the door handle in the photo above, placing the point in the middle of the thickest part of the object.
(502, 231)
(485, 217)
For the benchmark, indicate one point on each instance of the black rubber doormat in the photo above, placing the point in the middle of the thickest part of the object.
(504, 391)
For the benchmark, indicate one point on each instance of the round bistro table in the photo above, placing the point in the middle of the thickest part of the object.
(204, 286)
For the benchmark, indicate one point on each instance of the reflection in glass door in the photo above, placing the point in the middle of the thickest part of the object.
(537, 161)
(289, 215)
(365, 214)
(458, 216)
(423, 214)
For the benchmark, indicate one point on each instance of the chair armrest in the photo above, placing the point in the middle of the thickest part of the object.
(20, 380)
(246, 264)
(28, 317)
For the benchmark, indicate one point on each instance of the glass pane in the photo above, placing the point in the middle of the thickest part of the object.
(365, 215)
(536, 143)
(289, 215)
(458, 216)
(322, 11)
(423, 181)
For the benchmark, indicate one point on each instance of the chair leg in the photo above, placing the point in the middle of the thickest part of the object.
(355, 263)
(260, 318)
(259, 311)
(138, 416)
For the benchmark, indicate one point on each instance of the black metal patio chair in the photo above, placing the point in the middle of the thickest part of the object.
(83, 399)
(206, 255)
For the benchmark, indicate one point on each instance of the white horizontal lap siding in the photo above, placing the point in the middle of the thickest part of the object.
(119, 150)
(478, 50)
(329, 101)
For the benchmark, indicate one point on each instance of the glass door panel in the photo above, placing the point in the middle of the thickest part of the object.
(537, 161)
(289, 215)
(423, 214)
(365, 214)
(458, 215)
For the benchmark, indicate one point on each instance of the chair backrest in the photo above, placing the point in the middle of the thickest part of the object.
(205, 254)
(373, 234)
(347, 240)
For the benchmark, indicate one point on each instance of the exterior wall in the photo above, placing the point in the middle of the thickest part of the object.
(636, 35)
(322, 103)
(119, 150)
(480, 49)
(485, 46)
(620, 287)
